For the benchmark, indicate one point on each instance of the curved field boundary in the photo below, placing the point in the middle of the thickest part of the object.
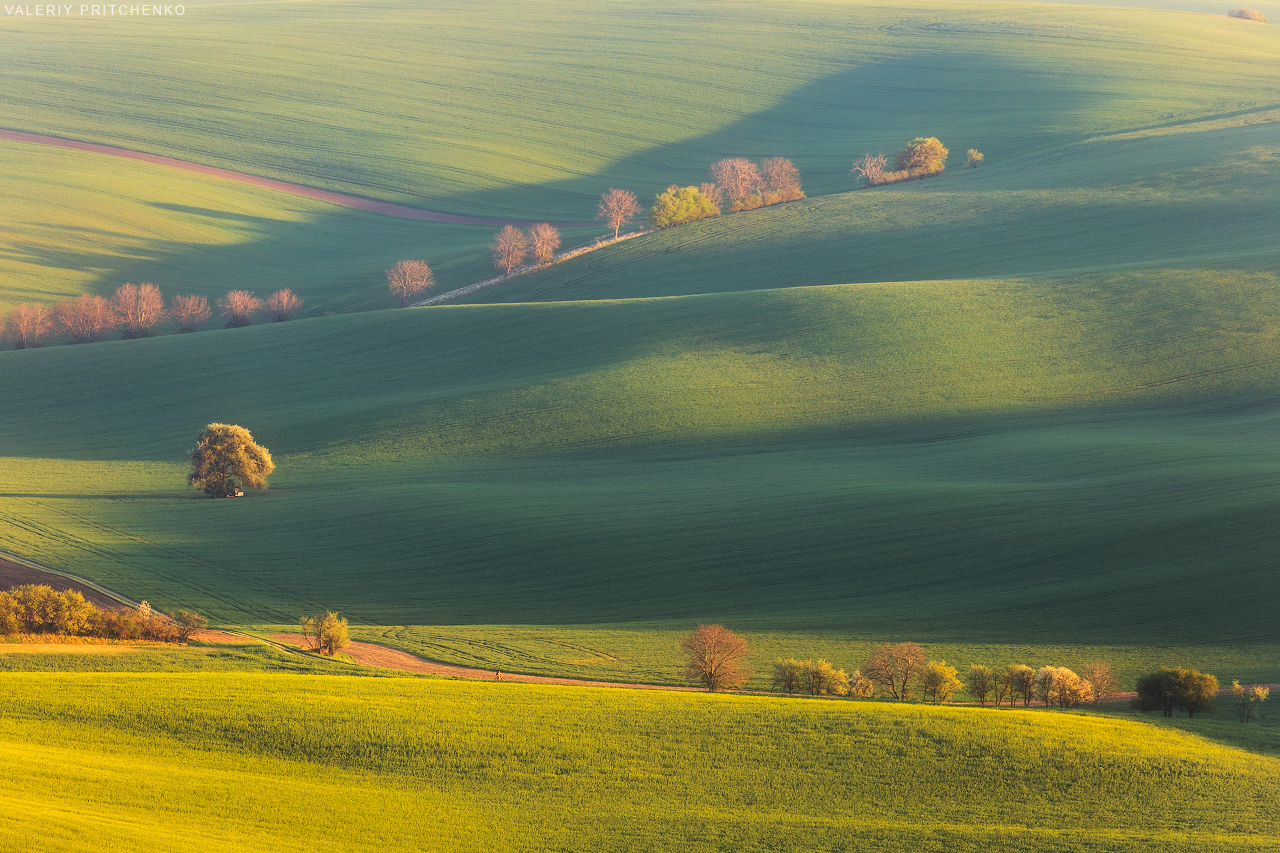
(15, 570)
(369, 205)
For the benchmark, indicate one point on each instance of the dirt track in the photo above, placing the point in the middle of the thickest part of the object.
(385, 208)
(372, 654)
(12, 574)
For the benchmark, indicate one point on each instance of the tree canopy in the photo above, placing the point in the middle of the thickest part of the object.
(679, 205)
(226, 458)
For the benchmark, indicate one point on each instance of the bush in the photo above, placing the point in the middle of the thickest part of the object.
(38, 609)
(679, 205)
(1248, 14)
(923, 156)
(751, 202)
(973, 159)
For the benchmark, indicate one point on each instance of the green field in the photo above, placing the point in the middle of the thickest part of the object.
(72, 222)
(257, 762)
(470, 113)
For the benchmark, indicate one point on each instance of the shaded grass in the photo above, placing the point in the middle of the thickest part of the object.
(72, 222)
(429, 765)
(1078, 461)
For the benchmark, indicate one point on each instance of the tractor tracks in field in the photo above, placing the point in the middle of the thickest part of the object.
(369, 205)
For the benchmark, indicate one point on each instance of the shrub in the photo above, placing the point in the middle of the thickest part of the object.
(973, 159)
(1248, 14)
(751, 202)
(679, 205)
(187, 622)
(922, 156)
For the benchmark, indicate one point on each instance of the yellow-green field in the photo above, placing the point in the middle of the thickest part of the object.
(260, 762)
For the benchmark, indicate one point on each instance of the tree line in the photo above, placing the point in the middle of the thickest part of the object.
(136, 311)
(717, 660)
(38, 609)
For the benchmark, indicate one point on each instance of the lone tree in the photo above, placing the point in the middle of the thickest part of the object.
(27, 325)
(282, 305)
(226, 457)
(239, 306)
(325, 632)
(973, 159)
(191, 312)
(617, 208)
(737, 176)
(138, 308)
(87, 319)
(717, 658)
(923, 155)
(544, 238)
(509, 248)
(407, 279)
(893, 666)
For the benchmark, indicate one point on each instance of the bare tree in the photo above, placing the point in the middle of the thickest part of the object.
(27, 325)
(282, 305)
(409, 278)
(86, 318)
(780, 180)
(238, 307)
(617, 208)
(544, 239)
(717, 657)
(138, 308)
(737, 176)
(1101, 678)
(894, 666)
(509, 248)
(191, 312)
(713, 192)
(871, 168)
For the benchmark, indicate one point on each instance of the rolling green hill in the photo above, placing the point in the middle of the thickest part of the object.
(254, 762)
(468, 113)
(73, 222)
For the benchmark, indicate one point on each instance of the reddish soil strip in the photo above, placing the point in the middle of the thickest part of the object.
(12, 574)
(385, 208)
(372, 654)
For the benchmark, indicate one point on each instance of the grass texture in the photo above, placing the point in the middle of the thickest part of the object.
(456, 106)
(251, 762)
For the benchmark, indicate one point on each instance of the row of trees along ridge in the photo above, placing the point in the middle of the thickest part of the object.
(136, 310)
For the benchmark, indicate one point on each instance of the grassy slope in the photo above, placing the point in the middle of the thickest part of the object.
(940, 459)
(213, 761)
(1199, 199)
(72, 222)
(411, 105)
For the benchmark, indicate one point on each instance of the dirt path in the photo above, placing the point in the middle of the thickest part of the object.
(372, 654)
(385, 208)
(15, 574)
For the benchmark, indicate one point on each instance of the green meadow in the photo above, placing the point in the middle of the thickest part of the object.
(251, 762)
